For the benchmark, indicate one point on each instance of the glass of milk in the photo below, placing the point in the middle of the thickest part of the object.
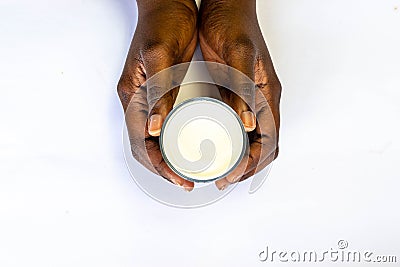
(202, 139)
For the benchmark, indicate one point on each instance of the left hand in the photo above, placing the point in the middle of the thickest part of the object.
(229, 33)
(165, 35)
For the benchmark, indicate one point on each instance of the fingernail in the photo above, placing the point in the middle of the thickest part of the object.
(236, 179)
(222, 188)
(187, 188)
(233, 179)
(249, 120)
(155, 125)
(176, 182)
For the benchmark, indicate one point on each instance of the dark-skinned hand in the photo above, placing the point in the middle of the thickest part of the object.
(229, 34)
(166, 34)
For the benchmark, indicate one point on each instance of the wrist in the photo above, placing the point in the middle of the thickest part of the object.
(147, 5)
(243, 3)
(245, 7)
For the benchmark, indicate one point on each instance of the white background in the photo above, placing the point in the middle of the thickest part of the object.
(67, 199)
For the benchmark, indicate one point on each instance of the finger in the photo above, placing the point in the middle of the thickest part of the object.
(145, 148)
(260, 166)
(235, 175)
(238, 76)
(264, 140)
(135, 119)
(154, 153)
(250, 163)
(261, 148)
(241, 57)
(238, 104)
(238, 172)
(162, 75)
(160, 111)
(263, 144)
(167, 173)
(222, 184)
(157, 59)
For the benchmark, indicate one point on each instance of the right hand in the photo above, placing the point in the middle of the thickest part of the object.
(229, 34)
(165, 35)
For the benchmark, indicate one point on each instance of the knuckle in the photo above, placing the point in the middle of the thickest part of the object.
(120, 87)
(241, 45)
(162, 104)
(276, 153)
(277, 85)
(277, 88)
(125, 91)
(186, 12)
(156, 49)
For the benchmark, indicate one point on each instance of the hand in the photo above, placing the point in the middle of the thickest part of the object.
(165, 35)
(230, 34)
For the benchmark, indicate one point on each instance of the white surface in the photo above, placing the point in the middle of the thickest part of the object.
(66, 198)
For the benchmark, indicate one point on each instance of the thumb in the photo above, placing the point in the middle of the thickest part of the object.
(241, 58)
(160, 111)
(161, 95)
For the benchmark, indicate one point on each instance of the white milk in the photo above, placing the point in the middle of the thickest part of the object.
(202, 139)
